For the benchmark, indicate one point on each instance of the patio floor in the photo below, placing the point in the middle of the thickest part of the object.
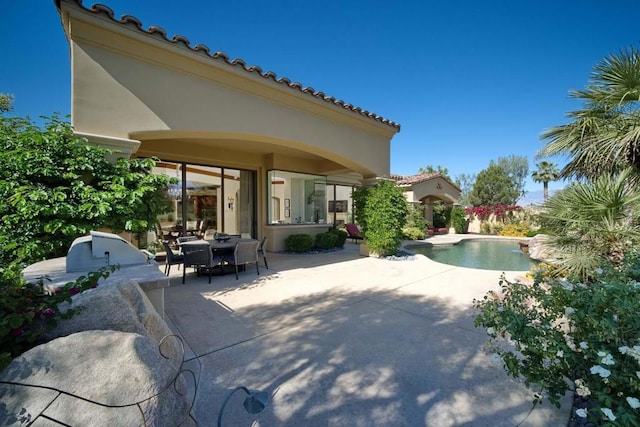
(342, 340)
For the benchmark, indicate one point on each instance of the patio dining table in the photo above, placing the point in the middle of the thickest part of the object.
(220, 247)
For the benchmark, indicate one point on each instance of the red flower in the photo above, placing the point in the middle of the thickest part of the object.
(17, 332)
(74, 291)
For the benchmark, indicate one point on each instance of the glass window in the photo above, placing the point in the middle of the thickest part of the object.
(339, 204)
(296, 198)
(208, 198)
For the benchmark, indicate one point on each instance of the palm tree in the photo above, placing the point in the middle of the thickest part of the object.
(546, 172)
(590, 222)
(604, 136)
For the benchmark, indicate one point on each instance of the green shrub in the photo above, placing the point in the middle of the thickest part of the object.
(441, 215)
(414, 233)
(298, 243)
(458, 220)
(381, 210)
(341, 237)
(586, 331)
(326, 240)
(485, 228)
(27, 312)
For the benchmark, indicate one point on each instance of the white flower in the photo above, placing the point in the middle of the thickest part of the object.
(560, 353)
(581, 389)
(633, 402)
(598, 271)
(569, 310)
(608, 413)
(491, 331)
(500, 309)
(584, 345)
(607, 360)
(604, 373)
(582, 412)
(602, 354)
(615, 317)
(624, 349)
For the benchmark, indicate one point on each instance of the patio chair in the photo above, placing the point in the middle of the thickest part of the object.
(172, 258)
(199, 256)
(245, 253)
(262, 251)
(354, 232)
(209, 234)
(180, 240)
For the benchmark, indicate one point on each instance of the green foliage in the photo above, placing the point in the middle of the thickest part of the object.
(494, 186)
(602, 137)
(591, 221)
(6, 102)
(458, 219)
(587, 332)
(465, 182)
(326, 240)
(414, 233)
(545, 173)
(381, 211)
(55, 187)
(429, 169)
(441, 214)
(341, 237)
(517, 168)
(298, 243)
(27, 312)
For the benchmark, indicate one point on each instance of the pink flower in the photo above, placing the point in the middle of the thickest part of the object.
(17, 332)
(95, 285)
(74, 291)
(48, 312)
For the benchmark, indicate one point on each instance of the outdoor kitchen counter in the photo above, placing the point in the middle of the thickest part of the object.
(148, 276)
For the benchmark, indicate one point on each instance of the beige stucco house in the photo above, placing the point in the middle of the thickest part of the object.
(426, 189)
(255, 154)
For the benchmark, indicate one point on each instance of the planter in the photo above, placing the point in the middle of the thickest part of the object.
(365, 251)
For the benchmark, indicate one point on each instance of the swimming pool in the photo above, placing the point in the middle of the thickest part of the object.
(484, 254)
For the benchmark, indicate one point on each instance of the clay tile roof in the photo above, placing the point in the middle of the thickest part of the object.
(403, 181)
(130, 21)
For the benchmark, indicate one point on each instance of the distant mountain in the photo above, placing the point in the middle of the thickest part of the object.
(534, 197)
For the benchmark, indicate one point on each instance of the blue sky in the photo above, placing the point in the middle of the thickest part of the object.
(468, 81)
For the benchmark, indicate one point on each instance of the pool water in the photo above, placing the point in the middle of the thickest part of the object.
(500, 255)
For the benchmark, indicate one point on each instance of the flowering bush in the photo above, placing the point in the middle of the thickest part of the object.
(514, 230)
(26, 311)
(500, 212)
(588, 333)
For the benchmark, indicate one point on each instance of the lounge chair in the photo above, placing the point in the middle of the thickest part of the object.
(354, 232)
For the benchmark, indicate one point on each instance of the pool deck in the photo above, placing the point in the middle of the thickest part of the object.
(337, 339)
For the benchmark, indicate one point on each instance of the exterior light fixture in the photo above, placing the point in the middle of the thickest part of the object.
(255, 402)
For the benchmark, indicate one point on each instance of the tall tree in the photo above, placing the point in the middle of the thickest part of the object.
(545, 173)
(6, 102)
(603, 137)
(517, 168)
(438, 169)
(465, 182)
(494, 186)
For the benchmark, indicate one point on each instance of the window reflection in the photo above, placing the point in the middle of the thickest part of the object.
(296, 198)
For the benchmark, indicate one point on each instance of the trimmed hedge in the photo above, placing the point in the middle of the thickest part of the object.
(341, 237)
(298, 243)
(326, 240)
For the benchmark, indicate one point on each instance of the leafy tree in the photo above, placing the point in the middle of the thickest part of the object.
(438, 169)
(546, 172)
(465, 182)
(517, 168)
(55, 187)
(603, 136)
(6, 102)
(494, 186)
(591, 221)
(381, 211)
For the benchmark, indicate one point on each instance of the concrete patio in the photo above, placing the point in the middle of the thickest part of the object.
(341, 340)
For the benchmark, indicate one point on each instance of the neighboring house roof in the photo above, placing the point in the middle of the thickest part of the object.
(408, 181)
(129, 21)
